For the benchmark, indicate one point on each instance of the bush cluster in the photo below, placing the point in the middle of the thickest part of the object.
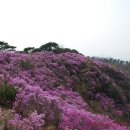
(56, 89)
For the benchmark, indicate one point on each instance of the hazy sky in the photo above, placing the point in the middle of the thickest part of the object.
(93, 27)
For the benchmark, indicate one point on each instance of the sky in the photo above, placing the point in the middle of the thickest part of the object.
(93, 27)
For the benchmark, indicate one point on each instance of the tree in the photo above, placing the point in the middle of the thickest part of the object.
(5, 46)
(28, 49)
(53, 47)
(49, 46)
(10, 48)
(36, 50)
(62, 50)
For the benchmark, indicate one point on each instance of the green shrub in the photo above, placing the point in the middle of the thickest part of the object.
(26, 65)
(7, 94)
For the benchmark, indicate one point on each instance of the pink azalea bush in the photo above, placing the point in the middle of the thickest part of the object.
(84, 120)
(55, 89)
(33, 122)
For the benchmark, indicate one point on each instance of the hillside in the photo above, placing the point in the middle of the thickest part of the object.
(116, 63)
(65, 90)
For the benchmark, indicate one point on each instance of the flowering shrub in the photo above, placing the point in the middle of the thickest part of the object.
(83, 120)
(33, 122)
(56, 89)
(33, 98)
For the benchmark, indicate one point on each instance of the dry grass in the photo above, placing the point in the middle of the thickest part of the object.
(7, 114)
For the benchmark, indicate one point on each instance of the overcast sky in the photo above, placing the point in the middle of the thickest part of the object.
(93, 27)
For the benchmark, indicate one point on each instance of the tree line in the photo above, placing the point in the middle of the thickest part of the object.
(124, 65)
(51, 46)
(5, 46)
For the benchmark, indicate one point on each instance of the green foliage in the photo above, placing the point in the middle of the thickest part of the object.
(28, 49)
(36, 50)
(49, 46)
(53, 47)
(62, 50)
(7, 94)
(5, 46)
(26, 65)
(10, 48)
